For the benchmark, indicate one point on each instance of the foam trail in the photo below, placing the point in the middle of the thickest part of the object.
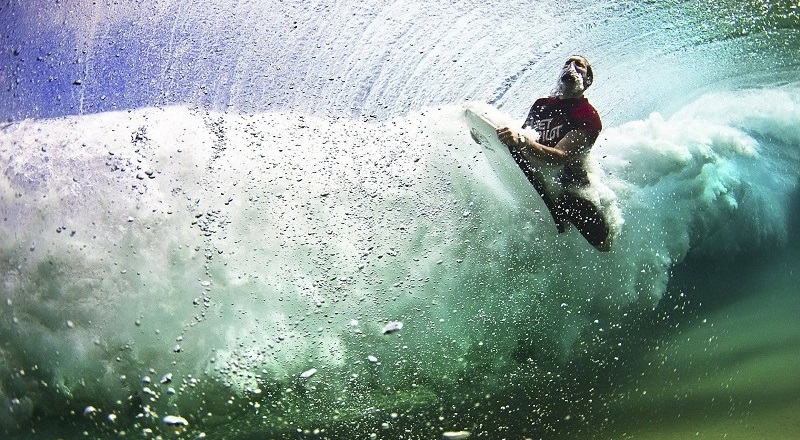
(238, 252)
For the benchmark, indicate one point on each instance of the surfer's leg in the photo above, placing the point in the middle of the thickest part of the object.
(561, 222)
(535, 178)
(587, 218)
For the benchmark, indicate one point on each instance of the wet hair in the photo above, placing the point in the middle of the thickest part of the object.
(589, 73)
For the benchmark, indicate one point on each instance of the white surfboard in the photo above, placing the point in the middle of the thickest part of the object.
(483, 121)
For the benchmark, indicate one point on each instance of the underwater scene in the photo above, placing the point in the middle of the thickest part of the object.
(257, 219)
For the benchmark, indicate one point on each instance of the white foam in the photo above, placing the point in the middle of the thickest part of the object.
(261, 239)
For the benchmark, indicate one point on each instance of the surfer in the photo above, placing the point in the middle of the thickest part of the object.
(567, 127)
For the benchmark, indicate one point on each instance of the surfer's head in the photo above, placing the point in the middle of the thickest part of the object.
(575, 77)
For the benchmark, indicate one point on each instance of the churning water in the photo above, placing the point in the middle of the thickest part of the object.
(210, 212)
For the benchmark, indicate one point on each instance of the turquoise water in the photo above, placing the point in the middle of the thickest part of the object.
(212, 210)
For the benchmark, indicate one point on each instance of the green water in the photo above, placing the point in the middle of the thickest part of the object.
(721, 363)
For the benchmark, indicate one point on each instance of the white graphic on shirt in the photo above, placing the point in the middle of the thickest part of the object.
(546, 132)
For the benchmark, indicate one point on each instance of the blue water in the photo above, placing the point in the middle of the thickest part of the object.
(241, 195)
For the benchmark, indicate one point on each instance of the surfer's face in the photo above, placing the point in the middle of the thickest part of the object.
(574, 77)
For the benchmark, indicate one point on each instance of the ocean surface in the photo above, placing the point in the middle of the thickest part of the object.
(267, 219)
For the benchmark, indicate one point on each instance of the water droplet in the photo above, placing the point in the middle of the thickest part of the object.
(392, 327)
(456, 435)
(308, 373)
(175, 421)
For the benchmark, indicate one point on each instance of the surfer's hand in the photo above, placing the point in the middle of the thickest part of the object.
(509, 136)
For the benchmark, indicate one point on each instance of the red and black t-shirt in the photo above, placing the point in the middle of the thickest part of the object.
(553, 118)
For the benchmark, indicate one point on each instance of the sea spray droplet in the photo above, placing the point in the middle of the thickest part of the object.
(456, 435)
(308, 373)
(392, 327)
(175, 421)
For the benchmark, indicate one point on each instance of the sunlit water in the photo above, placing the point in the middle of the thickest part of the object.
(212, 211)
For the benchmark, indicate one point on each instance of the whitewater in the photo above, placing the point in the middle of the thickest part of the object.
(227, 243)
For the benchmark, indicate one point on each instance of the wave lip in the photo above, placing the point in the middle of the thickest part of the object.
(378, 59)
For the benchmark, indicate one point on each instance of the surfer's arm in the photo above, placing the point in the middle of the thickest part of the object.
(572, 144)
